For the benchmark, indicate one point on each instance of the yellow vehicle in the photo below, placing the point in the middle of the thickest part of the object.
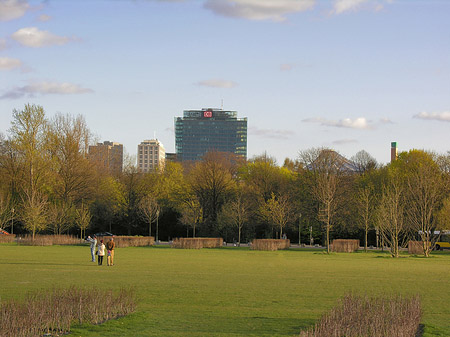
(444, 240)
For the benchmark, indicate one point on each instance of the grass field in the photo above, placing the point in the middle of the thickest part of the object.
(229, 291)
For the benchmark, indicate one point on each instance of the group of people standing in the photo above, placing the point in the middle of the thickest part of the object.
(110, 245)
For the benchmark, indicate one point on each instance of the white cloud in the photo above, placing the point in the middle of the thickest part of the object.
(44, 18)
(35, 38)
(216, 83)
(274, 10)
(12, 9)
(7, 63)
(345, 141)
(271, 133)
(45, 88)
(342, 6)
(437, 116)
(358, 123)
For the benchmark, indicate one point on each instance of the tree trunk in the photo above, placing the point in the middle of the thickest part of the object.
(239, 237)
(365, 238)
(328, 238)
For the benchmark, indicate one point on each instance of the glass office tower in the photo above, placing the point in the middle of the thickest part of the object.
(200, 131)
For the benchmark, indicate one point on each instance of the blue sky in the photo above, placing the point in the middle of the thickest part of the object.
(345, 74)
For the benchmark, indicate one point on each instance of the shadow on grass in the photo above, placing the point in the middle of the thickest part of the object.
(138, 324)
(420, 330)
(39, 263)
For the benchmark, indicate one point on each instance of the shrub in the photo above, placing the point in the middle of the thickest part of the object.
(373, 317)
(7, 238)
(131, 241)
(415, 247)
(197, 243)
(53, 312)
(344, 246)
(48, 240)
(270, 244)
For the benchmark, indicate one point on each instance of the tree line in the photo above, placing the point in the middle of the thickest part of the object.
(48, 184)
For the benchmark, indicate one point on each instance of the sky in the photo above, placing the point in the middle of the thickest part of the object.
(350, 75)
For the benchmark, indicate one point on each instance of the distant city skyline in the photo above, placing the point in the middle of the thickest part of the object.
(350, 75)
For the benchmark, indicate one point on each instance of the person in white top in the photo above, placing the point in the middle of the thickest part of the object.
(100, 252)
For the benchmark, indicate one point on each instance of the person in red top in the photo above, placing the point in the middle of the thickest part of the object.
(110, 248)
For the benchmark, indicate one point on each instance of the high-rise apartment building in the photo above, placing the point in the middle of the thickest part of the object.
(151, 155)
(108, 155)
(200, 131)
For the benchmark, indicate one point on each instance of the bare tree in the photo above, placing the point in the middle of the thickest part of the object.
(326, 167)
(149, 210)
(391, 222)
(191, 213)
(279, 211)
(365, 202)
(83, 219)
(364, 161)
(236, 214)
(61, 217)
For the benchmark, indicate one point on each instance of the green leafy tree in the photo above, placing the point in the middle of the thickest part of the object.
(29, 141)
(73, 174)
(109, 202)
(34, 212)
(425, 189)
(211, 180)
(5, 209)
(261, 177)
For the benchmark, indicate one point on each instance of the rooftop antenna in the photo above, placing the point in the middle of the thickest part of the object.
(154, 134)
(221, 106)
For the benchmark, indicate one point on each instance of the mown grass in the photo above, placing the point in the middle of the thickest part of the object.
(229, 292)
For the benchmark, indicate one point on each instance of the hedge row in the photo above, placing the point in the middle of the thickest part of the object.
(270, 244)
(344, 246)
(197, 243)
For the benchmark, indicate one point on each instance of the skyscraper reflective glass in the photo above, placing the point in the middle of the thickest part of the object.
(200, 131)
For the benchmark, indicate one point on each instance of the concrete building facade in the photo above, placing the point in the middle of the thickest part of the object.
(108, 155)
(150, 156)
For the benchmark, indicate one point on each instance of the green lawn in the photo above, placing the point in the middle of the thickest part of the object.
(229, 291)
